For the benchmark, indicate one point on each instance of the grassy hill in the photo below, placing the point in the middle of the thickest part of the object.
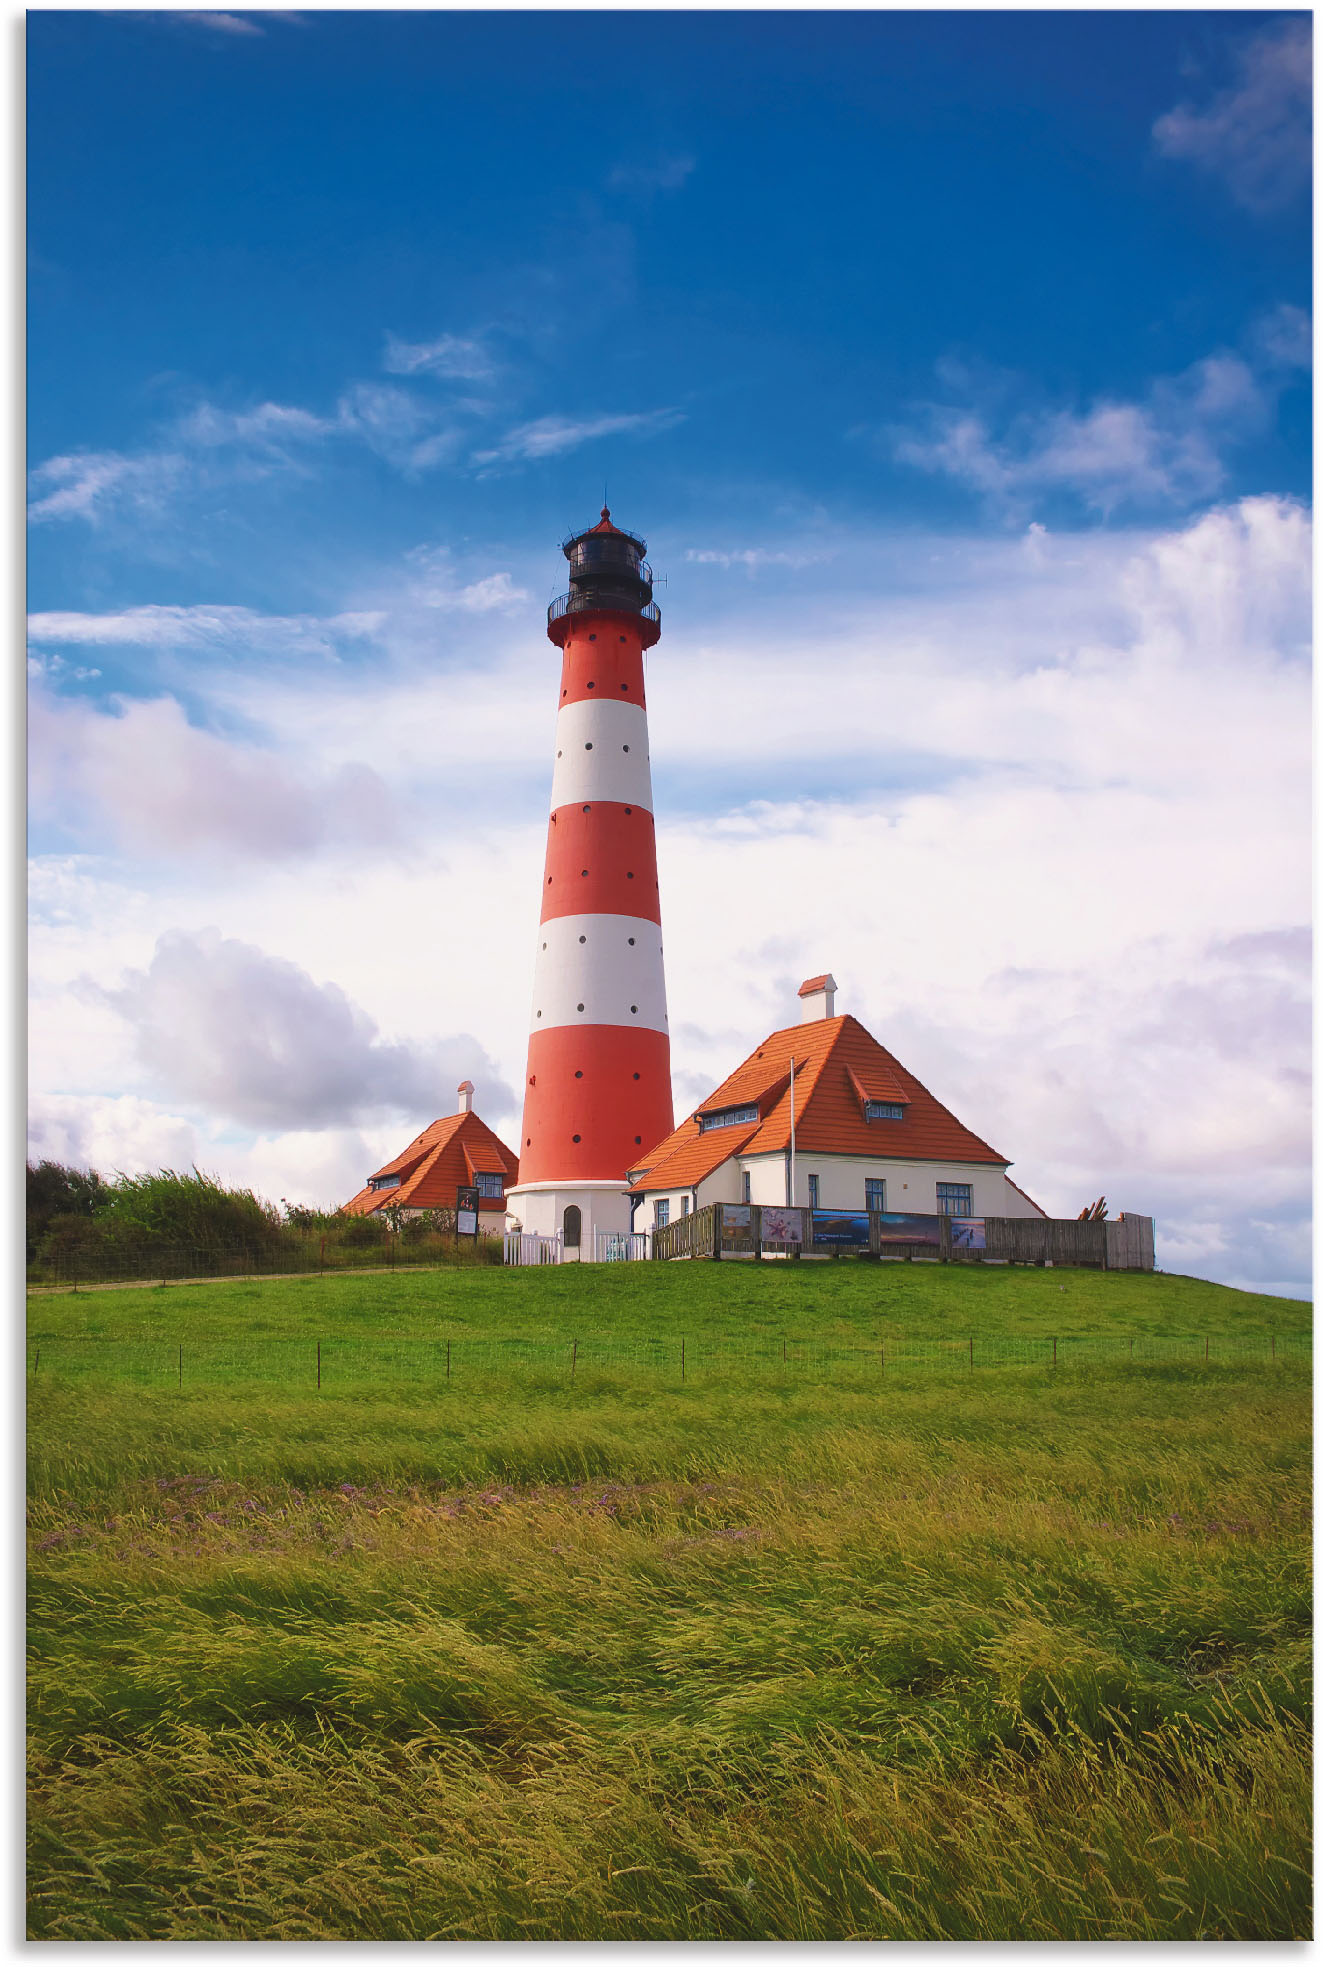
(835, 1637)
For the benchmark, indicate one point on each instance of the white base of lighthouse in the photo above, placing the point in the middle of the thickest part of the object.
(543, 1209)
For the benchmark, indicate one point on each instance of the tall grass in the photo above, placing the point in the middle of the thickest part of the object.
(1013, 1654)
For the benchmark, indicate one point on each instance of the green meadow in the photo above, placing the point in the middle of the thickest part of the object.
(522, 1624)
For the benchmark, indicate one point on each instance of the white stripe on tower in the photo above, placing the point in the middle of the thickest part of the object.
(602, 752)
(599, 969)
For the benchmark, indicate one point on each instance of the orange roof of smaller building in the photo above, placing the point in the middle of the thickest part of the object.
(813, 983)
(445, 1157)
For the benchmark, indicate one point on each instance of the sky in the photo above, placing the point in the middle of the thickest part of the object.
(955, 367)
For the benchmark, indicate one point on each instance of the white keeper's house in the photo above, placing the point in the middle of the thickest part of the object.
(865, 1134)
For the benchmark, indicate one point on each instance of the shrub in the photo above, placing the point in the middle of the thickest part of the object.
(57, 1191)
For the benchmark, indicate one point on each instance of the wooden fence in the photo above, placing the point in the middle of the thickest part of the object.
(726, 1229)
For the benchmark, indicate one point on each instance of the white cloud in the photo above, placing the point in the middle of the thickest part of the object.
(1167, 450)
(229, 1029)
(205, 629)
(435, 585)
(122, 1135)
(548, 437)
(144, 779)
(41, 664)
(129, 1135)
(447, 355)
(1284, 337)
(83, 484)
(270, 427)
(398, 425)
(210, 446)
(218, 23)
(663, 174)
(752, 557)
(1255, 135)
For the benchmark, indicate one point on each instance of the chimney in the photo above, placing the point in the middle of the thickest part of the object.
(818, 998)
(465, 1097)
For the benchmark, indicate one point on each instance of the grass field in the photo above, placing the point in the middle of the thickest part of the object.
(800, 1647)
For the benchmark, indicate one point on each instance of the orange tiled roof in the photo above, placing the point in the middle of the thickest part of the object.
(444, 1158)
(837, 1064)
(813, 983)
(689, 1156)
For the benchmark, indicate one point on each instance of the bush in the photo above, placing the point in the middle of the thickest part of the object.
(55, 1191)
(359, 1232)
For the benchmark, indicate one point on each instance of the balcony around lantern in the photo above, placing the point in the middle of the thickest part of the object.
(590, 602)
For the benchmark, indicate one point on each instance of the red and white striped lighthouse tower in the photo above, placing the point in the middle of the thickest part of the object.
(597, 1075)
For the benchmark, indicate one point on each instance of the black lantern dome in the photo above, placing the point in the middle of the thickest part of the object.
(608, 573)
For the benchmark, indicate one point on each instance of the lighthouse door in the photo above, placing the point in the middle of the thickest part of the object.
(571, 1227)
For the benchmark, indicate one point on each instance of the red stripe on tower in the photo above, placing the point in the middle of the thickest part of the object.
(598, 1088)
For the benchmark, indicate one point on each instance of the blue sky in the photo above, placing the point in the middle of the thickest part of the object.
(956, 368)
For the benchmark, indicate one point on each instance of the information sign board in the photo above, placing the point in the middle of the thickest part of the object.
(844, 1229)
(968, 1232)
(781, 1225)
(468, 1211)
(910, 1229)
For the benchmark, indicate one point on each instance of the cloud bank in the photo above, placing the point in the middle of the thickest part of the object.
(227, 1028)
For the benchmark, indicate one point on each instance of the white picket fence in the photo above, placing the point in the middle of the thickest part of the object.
(520, 1247)
(618, 1246)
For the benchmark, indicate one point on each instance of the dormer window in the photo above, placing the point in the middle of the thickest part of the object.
(490, 1185)
(385, 1181)
(727, 1116)
(883, 1109)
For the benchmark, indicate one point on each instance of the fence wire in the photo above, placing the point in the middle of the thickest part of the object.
(417, 1361)
(290, 1254)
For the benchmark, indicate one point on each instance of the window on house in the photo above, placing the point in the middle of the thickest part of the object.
(813, 1191)
(954, 1198)
(884, 1110)
(662, 1212)
(385, 1181)
(875, 1194)
(746, 1184)
(728, 1116)
(489, 1184)
(687, 1205)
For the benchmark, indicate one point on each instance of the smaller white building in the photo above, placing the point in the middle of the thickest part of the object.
(820, 1115)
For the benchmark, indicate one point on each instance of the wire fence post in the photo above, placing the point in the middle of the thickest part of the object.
(36, 1364)
(320, 1362)
(882, 1362)
(573, 1358)
(1053, 1352)
(449, 1359)
(1274, 1345)
(684, 1359)
(1205, 1348)
(179, 1367)
(970, 1355)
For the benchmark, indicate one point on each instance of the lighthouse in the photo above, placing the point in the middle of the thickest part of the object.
(597, 1072)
